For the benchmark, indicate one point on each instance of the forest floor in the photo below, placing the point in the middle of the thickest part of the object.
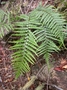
(55, 79)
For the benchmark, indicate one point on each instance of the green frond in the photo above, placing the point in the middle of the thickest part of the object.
(51, 30)
(5, 25)
(25, 51)
(46, 39)
(49, 17)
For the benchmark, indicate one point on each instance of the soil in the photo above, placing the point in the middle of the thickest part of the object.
(55, 79)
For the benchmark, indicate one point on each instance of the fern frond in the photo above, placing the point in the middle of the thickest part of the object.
(5, 25)
(49, 17)
(25, 49)
(47, 45)
(52, 26)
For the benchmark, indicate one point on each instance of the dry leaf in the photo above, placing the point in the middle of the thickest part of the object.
(64, 67)
(58, 68)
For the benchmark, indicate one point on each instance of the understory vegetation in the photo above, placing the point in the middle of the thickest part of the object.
(39, 33)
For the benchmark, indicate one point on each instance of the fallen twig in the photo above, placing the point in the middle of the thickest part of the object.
(29, 83)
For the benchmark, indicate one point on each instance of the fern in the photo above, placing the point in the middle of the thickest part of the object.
(25, 47)
(47, 45)
(50, 18)
(5, 25)
(37, 34)
(52, 30)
